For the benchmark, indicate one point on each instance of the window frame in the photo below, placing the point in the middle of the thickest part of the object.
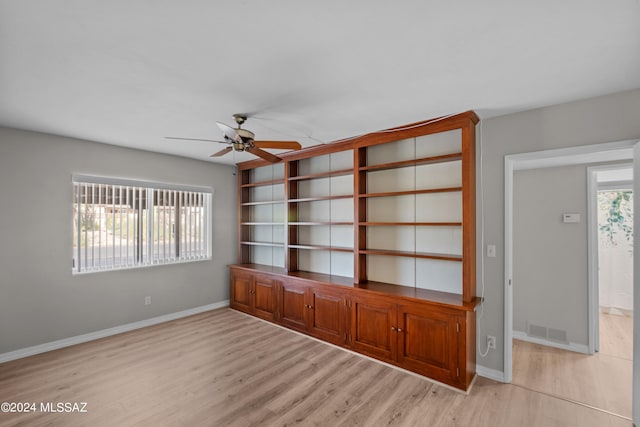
(143, 236)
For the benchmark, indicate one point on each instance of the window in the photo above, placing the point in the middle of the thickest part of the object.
(121, 224)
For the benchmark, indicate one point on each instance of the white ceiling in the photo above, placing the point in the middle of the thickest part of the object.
(130, 72)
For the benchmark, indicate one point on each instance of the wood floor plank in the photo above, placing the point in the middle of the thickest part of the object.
(222, 368)
(602, 380)
(616, 335)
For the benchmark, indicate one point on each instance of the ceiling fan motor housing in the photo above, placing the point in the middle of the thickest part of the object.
(246, 135)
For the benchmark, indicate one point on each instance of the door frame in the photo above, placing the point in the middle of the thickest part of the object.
(586, 154)
(593, 187)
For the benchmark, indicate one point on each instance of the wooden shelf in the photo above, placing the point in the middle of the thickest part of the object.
(267, 202)
(320, 223)
(437, 297)
(411, 192)
(263, 183)
(321, 248)
(421, 161)
(307, 275)
(412, 224)
(272, 244)
(322, 175)
(444, 257)
(315, 199)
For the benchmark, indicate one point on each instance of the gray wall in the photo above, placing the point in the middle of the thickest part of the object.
(550, 262)
(604, 119)
(40, 300)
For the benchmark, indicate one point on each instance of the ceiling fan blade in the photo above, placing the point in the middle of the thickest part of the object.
(282, 145)
(229, 132)
(222, 152)
(196, 139)
(261, 153)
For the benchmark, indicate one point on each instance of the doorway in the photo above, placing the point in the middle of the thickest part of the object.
(550, 295)
(609, 152)
(613, 194)
(610, 215)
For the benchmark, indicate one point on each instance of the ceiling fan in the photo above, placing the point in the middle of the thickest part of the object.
(240, 139)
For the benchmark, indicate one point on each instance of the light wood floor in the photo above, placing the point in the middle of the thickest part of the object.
(223, 368)
(602, 380)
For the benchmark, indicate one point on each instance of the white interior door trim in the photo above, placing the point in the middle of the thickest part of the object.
(592, 249)
(635, 401)
(595, 153)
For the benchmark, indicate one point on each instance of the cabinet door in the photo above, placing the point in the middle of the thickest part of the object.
(326, 315)
(373, 327)
(263, 301)
(241, 291)
(428, 341)
(293, 305)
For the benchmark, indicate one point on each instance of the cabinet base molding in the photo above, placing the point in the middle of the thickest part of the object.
(396, 325)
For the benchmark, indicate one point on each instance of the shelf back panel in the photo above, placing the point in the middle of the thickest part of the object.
(267, 255)
(389, 269)
(438, 144)
(391, 238)
(438, 275)
(267, 173)
(439, 207)
(447, 240)
(266, 193)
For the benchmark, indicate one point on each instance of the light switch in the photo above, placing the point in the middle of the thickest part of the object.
(491, 251)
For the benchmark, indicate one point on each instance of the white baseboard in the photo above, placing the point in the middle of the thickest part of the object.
(578, 348)
(492, 374)
(66, 342)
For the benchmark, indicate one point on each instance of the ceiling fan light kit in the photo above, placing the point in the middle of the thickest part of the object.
(244, 140)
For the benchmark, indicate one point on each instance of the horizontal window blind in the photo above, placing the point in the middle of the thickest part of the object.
(120, 225)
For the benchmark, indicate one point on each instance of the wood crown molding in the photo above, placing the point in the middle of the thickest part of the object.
(425, 127)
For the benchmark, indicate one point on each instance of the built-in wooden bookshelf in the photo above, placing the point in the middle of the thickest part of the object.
(405, 197)
(374, 230)
(417, 183)
(261, 212)
(320, 219)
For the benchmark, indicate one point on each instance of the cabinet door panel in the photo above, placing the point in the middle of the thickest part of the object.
(241, 291)
(293, 306)
(428, 342)
(327, 316)
(372, 320)
(264, 297)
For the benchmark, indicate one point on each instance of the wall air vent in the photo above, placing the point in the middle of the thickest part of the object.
(557, 335)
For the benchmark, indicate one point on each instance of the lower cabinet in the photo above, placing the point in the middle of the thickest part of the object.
(316, 311)
(430, 342)
(253, 294)
(430, 339)
(372, 326)
(416, 336)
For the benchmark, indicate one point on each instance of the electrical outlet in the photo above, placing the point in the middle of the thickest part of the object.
(491, 341)
(147, 300)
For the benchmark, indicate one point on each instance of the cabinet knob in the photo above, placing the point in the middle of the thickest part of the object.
(393, 328)
(399, 329)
